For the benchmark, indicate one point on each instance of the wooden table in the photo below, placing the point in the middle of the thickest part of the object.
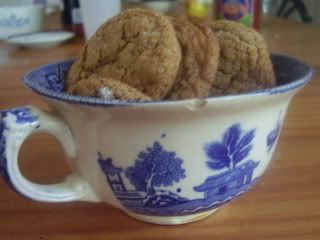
(285, 204)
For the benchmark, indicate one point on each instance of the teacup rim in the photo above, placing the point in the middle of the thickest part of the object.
(83, 100)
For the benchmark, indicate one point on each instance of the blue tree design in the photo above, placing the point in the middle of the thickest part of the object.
(235, 147)
(155, 167)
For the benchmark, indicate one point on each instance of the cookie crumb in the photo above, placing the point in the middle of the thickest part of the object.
(106, 93)
(107, 88)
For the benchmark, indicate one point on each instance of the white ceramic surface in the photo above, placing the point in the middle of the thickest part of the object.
(96, 12)
(164, 162)
(41, 39)
(20, 19)
(161, 6)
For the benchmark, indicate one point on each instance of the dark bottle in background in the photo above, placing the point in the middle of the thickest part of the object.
(246, 12)
(71, 17)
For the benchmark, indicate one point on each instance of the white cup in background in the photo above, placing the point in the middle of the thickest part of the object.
(20, 19)
(96, 12)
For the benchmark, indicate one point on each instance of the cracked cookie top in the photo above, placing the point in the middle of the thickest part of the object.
(244, 63)
(137, 47)
(200, 56)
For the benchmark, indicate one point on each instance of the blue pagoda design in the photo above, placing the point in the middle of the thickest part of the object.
(228, 182)
(114, 178)
(141, 187)
(113, 175)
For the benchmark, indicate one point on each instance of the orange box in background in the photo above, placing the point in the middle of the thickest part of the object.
(246, 12)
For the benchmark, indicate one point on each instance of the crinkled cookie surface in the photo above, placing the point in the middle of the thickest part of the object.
(244, 63)
(138, 47)
(200, 56)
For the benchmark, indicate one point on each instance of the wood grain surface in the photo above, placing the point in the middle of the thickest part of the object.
(285, 204)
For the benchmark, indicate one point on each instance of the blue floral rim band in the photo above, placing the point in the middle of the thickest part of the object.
(291, 74)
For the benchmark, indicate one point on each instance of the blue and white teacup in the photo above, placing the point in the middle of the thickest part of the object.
(20, 19)
(164, 162)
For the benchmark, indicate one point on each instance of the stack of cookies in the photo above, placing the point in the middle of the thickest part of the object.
(143, 55)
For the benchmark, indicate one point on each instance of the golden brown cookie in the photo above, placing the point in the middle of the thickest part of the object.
(106, 88)
(244, 63)
(200, 54)
(138, 47)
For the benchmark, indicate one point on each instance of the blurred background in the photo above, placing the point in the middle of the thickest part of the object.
(299, 10)
(306, 11)
(82, 17)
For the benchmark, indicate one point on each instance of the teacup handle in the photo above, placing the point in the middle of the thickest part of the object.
(18, 124)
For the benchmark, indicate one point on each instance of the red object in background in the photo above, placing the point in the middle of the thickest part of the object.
(256, 14)
(71, 17)
(246, 12)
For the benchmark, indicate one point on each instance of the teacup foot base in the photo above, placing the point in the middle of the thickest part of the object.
(175, 220)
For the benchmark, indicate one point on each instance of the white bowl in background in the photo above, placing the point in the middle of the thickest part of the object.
(162, 6)
(40, 39)
(20, 19)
